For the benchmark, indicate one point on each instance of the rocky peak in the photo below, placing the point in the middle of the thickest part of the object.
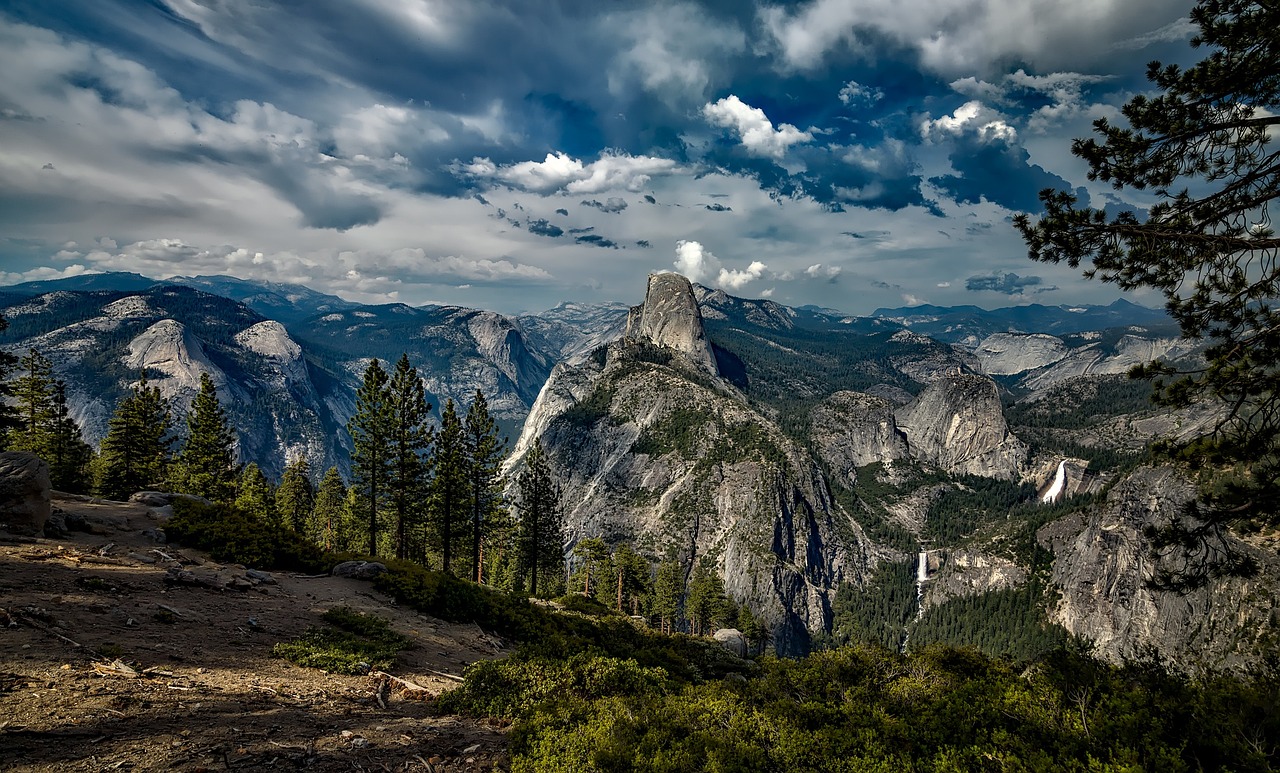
(170, 348)
(670, 317)
(957, 423)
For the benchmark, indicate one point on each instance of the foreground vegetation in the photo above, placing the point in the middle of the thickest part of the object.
(589, 690)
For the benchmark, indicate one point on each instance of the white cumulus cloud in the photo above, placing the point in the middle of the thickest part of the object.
(971, 117)
(754, 128)
(562, 172)
(700, 265)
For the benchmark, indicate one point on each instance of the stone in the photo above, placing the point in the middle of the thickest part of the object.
(150, 498)
(670, 317)
(359, 570)
(732, 640)
(25, 504)
(957, 423)
(262, 577)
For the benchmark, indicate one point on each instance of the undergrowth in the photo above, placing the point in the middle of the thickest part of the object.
(355, 643)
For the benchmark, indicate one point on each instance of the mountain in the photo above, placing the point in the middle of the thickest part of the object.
(970, 324)
(273, 300)
(98, 342)
(285, 303)
(570, 331)
(456, 351)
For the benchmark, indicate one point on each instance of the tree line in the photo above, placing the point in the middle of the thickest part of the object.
(424, 492)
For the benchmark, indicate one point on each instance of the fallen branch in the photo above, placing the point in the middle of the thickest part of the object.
(116, 668)
(410, 690)
(41, 626)
(454, 677)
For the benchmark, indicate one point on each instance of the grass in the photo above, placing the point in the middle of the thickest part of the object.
(354, 643)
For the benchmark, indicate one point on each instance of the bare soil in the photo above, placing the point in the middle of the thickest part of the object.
(105, 664)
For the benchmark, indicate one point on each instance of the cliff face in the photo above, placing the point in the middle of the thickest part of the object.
(957, 423)
(657, 455)
(670, 317)
(851, 429)
(1102, 565)
(98, 343)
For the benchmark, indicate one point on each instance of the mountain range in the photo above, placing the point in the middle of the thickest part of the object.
(822, 463)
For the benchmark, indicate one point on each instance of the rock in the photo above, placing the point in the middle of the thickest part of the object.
(732, 640)
(670, 317)
(160, 513)
(56, 527)
(155, 535)
(25, 504)
(151, 498)
(1103, 563)
(359, 570)
(1003, 354)
(958, 424)
(262, 577)
(851, 429)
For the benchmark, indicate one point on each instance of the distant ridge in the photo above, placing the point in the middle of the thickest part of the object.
(970, 324)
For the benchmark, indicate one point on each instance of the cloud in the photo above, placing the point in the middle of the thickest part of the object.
(971, 118)
(954, 38)
(44, 273)
(561, 172)
(854, 93)
(718, 207)
(699, 265)
(818, 271)
(613, 205)
(542, 227)
(1064, 90)
(753, 127)
(1006, 284)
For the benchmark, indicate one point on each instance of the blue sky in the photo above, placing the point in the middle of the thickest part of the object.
(848, 153)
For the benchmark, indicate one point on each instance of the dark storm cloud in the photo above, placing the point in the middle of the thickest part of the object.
(1007, 284)
(1000, 172)
(613, 205)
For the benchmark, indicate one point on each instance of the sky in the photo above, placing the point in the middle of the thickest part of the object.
(851, 154)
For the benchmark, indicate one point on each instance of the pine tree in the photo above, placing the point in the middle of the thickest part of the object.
(593, 560)
(329, 514)
(633, 581)
(8, 414)
(450, 513)
(541, 521)
(70, 458)
(34, 393)
(206, 466)
(296, 497)
(410, 438)
(370, 429)
(485, 451)
(255, 495)
(1203, 148)
(668, 588)
(135, 452)
(706, 604)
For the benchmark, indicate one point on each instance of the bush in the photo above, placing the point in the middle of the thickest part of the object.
(354, 644)
(231, 535)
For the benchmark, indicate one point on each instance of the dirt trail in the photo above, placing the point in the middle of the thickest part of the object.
(206, 695)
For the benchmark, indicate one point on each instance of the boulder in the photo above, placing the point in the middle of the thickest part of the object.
(25, 505)
(359, 570)
(732, 640)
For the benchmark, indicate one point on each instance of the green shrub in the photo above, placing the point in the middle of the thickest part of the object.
(585, 605)
(354, 644)
(231, 535)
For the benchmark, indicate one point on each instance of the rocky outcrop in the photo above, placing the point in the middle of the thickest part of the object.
(670, 317)
(25, 504)
(1103, 563)
(851, 429)
(1003, 354)
(656, 455)
(957, 423)
(270, 340)
(958, 573)
(168, 347)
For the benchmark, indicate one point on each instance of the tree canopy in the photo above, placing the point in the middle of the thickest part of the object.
(1201, 147)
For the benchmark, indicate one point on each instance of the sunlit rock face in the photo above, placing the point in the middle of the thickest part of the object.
(1103, 564)
(957, 423)
(670, 317)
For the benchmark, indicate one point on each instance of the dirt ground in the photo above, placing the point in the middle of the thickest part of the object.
(105, 665)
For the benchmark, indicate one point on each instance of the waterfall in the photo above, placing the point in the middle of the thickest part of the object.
(922, 569)
(1059, 482)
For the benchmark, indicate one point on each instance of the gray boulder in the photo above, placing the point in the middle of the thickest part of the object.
(732, 640)
(25, 505)
(359, 570)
